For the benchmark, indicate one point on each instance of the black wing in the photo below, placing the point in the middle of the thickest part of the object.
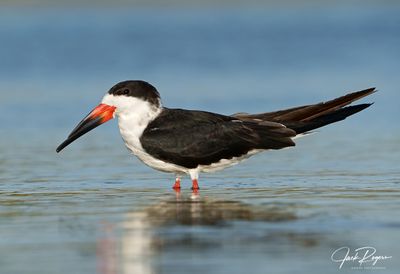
(191, 138)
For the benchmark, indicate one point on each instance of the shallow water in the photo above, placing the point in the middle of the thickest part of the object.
(95, 208)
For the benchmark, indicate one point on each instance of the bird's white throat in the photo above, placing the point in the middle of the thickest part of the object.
(134, 114)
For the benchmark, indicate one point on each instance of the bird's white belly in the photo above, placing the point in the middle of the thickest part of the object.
(225, 163)
(156, 163)
(169, 167)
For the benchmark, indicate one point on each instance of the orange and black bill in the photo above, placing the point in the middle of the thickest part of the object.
(99, 115)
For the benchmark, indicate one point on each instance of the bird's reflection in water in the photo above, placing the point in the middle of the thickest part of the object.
(142, 242)
(106, 250)
(193, 209)
(137, 244)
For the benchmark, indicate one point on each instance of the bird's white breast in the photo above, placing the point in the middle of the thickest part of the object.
(131, 130)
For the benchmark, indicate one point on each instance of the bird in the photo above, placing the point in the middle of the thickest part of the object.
(188, 142)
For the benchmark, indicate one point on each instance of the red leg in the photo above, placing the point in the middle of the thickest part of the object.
(195, 184)
(177, 184)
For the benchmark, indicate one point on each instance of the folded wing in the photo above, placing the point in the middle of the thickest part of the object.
(191, 138)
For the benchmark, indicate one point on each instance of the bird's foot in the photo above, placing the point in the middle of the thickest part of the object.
(195, 185)
(177, 185)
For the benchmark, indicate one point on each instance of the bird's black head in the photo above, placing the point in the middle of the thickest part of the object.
(136, 88)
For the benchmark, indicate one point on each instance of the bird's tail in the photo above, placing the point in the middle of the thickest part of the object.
(305, 118)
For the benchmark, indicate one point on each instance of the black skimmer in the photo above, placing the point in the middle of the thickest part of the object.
(190, 141)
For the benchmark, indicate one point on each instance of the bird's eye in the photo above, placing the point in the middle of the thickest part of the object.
(125, 91)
